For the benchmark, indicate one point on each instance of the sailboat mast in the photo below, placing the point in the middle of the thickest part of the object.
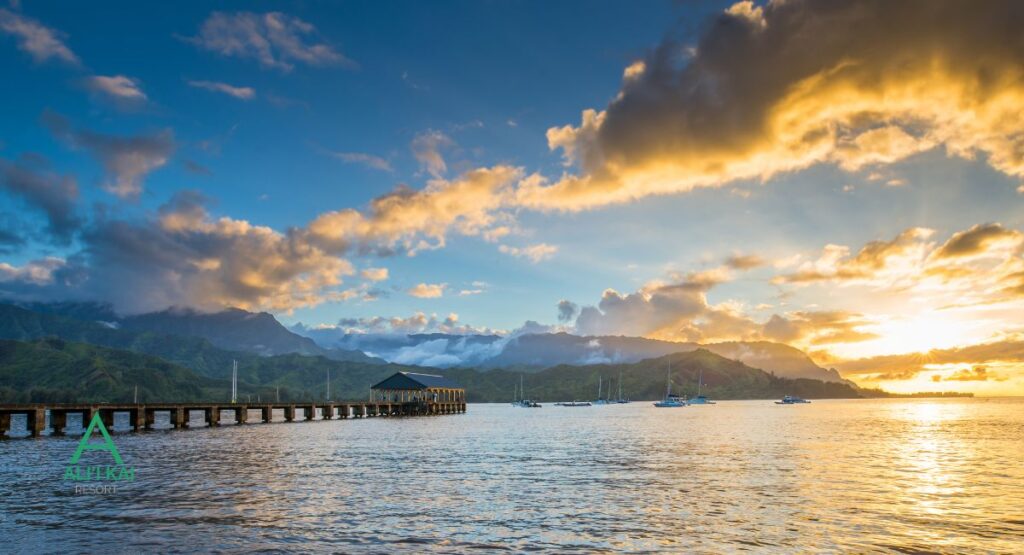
(668, 381)
(700, 380)
(522, 392)
(599, 388)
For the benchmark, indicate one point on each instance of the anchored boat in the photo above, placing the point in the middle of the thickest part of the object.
(700, 399)
(670, 400)
(520, 399)
(789, 400)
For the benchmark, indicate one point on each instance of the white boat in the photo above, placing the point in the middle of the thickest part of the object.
(699, 399)
(574, 404)
(789, 400)
(670, 401)
(520, 400)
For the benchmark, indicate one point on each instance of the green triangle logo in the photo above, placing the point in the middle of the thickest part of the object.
(107, 445)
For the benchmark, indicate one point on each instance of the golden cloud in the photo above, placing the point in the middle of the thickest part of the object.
(428, 290)
(466, 204)
(781, 87)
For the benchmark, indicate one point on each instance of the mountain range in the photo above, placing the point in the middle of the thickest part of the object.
(535, 351)
(55, 370)
(58, 351)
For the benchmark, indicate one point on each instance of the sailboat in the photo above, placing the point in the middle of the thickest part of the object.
(621, 400)
(700, 399)
(521, 400)
(670, 401)
(599, 400)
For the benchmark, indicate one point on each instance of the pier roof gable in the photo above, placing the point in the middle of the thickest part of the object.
(414, 381)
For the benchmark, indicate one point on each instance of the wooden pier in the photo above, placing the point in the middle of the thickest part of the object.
(143, 416)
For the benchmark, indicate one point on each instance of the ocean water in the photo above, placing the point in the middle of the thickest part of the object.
(841, 476)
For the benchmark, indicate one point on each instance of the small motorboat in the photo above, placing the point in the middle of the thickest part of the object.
(790, 400)
(574, 404)
(527, 404)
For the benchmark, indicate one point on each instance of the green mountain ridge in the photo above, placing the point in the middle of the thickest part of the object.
(55, 370)
(178, 335)
(646, 380)
(195, 353)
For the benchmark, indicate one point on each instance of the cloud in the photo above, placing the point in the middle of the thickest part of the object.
(818, 327)
(427, 147)
(195, 168)
(784, 86)
(678, 310)
(418, 322)
(979, 240)
(407, 218)
(42, 189)
(873, 260)
(567, 311)
(185, 257)
(982, 266)
(674, 310)
(533, 253)
(976, 374)
(744, 261)
(375, 274)
(475, 288)
(909, 365)
(35, 272)
(123, 91)
(126, 160)
(428, 290)
(12, 237)
(39, 41)
(241, 93)
(274, 39)
(368, 160)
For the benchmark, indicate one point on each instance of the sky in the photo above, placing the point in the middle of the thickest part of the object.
(842, 177)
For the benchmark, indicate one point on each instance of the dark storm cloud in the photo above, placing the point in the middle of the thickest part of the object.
(30, 180)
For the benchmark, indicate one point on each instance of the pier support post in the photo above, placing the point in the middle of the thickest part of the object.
(137, 416)
(308, 412)
(5, 424)
(212, 416)
(327, 412)
(107, 417)
(149, 418)
(358, 410)
(58, 421)
(241, 415)
(179, 417)
(342, 411)
(289, 413)
(268, 414)
(36, 422)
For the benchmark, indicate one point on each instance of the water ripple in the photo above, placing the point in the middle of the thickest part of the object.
(906, 476)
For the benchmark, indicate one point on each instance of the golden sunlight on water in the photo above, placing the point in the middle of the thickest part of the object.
(850, 476)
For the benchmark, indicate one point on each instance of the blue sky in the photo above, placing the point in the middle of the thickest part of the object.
(684, 166)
